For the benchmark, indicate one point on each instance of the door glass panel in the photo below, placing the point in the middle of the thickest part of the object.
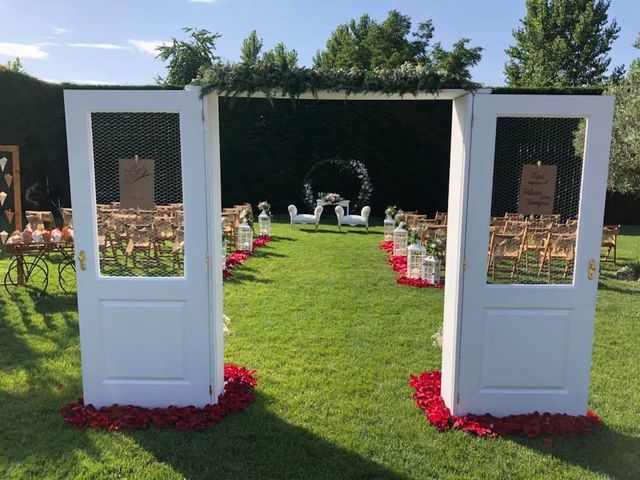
(138, 189)
(535, 200)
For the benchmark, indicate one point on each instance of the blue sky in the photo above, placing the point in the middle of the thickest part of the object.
(112, 41)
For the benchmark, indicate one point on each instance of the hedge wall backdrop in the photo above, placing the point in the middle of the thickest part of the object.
(268, 148)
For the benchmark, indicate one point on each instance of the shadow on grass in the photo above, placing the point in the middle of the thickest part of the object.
(322, 230)
(612, 453)
(620, 287)
(239, 275)
(257, 443)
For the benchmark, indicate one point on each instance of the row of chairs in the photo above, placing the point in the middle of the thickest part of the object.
(542, 241)
(146, 238)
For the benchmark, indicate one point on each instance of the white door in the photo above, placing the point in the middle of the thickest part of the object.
(144, 281)
(525, 335)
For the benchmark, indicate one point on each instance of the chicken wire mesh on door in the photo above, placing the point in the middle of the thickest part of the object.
(537, 177)
(135, 240)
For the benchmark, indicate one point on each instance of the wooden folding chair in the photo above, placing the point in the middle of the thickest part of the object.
(505, 247)
(610, 242)
(558, 248)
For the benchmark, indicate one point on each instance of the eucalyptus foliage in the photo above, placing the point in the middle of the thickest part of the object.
(235, 79)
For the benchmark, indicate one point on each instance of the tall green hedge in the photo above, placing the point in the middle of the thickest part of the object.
(268, 147)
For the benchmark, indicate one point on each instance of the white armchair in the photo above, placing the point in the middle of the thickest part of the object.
(353, 220)
(305, 218)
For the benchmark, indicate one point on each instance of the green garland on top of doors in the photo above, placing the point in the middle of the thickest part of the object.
(237, 79)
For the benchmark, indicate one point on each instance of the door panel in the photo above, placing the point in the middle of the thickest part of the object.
(526, 336)
(143, 302)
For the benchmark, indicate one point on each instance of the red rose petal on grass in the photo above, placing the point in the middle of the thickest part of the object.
(237, 395)
(238, 257)
(428, 399)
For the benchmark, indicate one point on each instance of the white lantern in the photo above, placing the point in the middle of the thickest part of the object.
(431, 269)
(264, 223)
(389, 226)
(415, 258)
(244, 241)
(400, 240)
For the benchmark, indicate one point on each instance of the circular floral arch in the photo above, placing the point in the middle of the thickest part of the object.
(356, 167)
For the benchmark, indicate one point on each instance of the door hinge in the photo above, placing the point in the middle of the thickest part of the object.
(202, 115)
(210, 390)
(457, 397)
(206, 259)
(464, 264)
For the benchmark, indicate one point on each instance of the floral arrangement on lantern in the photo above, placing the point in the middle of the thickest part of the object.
(265, 207)
(332, 198)
(400, 217)
(390, 211)
(432, 262)
(264, 219)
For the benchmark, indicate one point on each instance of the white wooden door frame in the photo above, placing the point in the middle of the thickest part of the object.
(467, 295)
(198, 379)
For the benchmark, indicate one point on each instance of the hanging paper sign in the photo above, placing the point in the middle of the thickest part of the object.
(3, 163)
(9, 214)
(537, 189)
(8, 178)
(137, 189)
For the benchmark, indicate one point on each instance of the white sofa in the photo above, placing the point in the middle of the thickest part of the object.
(305, 218)
(353, 220)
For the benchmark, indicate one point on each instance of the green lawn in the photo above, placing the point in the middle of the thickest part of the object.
(334, 339)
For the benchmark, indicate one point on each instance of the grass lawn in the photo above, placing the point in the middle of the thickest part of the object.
(334, 339)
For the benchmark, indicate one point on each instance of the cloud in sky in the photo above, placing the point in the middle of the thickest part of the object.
(60, 30)
(22, 50)
(99, 46)
(146, 46)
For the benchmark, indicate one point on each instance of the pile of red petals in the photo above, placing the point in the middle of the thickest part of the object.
(238, 393)
(399, 264)
(238, 257)
(428, 399)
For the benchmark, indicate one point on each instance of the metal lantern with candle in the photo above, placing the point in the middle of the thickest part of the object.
(245, 237)
(389, 222)
(416, 254)
(400, 240)
(432, 263)
(264, 219)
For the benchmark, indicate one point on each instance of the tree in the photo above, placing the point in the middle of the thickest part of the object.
(14, 66)
(624, 165)
(281, 57)
(366, 45)
(250, 50)
(562, 43)
(187, 58)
